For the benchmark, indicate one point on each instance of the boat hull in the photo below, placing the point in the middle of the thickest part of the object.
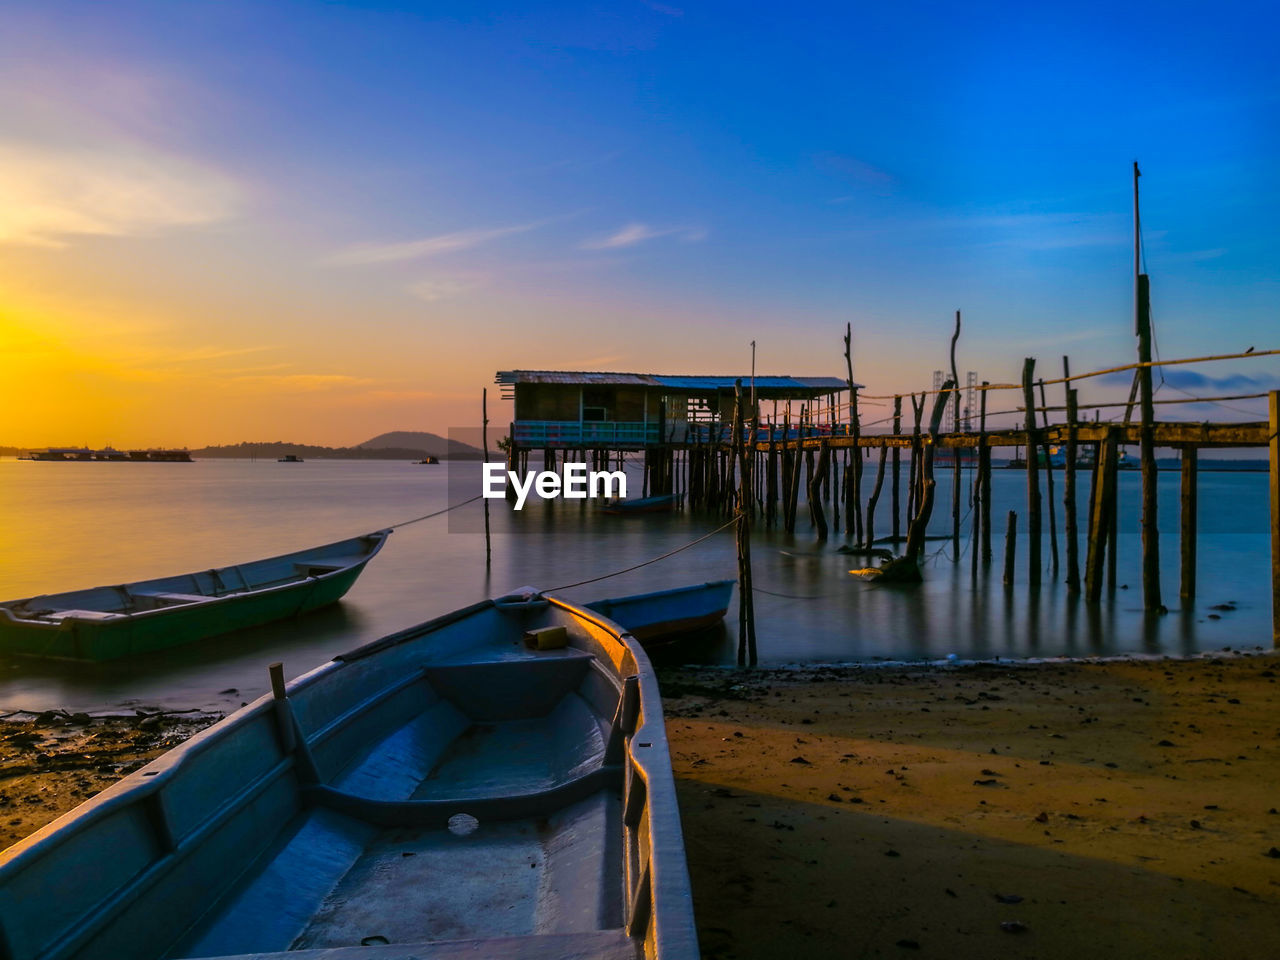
(447, 791)
(103, 634)
(664, 615)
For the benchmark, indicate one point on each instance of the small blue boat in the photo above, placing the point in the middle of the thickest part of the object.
(659, 616)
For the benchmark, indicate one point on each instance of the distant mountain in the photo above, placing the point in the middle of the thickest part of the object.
(432, 443)
(401, 445)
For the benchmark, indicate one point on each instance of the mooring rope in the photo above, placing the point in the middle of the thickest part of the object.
(405, 523)
(670, 553)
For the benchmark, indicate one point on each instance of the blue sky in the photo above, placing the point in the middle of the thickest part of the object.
(323, 221)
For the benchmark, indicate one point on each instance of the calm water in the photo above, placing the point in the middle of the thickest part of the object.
(82, 524)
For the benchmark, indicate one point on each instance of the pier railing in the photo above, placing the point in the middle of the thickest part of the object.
(619, 434)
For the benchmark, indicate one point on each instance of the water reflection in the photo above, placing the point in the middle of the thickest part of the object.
(71, 525)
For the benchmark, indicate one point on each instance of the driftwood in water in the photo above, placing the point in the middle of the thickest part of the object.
(906, 568)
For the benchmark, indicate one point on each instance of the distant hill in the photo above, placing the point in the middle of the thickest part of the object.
(431, 443)
(401, 445)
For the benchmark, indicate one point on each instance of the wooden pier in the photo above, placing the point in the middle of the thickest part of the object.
(753, 464)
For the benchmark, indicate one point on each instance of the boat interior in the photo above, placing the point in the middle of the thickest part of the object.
(444, 788)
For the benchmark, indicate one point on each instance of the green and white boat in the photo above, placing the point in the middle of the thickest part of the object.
(104, 623)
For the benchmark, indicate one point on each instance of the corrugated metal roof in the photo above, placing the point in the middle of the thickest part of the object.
(678, 382)
(574, 377)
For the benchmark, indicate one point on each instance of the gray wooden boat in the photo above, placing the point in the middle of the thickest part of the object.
(448, 791)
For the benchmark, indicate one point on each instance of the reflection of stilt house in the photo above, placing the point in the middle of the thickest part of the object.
(598, 414)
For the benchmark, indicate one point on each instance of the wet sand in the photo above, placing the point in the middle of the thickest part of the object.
(1055, 810)
(1092, 809)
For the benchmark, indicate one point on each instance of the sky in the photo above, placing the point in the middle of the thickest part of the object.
(316, 222)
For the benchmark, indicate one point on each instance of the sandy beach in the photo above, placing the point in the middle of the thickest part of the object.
(1122, 808)
(1090, 809)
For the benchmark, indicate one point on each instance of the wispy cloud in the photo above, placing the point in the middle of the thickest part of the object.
(426, 247)
(48, 194)
(443, 288)
(303, 382)
(854, 170)
(665, 9)
(636, 233)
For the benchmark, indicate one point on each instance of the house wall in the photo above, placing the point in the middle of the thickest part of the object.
(551, 401)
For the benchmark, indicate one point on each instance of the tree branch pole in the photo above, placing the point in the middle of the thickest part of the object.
(916, 534)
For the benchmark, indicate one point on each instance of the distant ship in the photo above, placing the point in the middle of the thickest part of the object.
(108, 455)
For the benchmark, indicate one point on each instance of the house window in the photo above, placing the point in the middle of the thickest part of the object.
(593, 414)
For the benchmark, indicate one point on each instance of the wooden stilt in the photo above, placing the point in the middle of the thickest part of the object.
(484, 440)
(1048, 482)
(1033, 475)
(1101, 508)
(1187, 587)
(1010, 547)
(896, 527)
(1273, 449)
(816, 476)
(875, 497)
(955, 451)
(1069, 498)
(984, 477)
